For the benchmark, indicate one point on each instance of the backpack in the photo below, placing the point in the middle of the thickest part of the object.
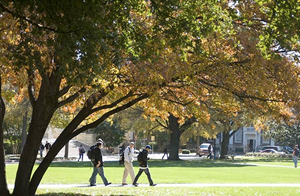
(140, 156)
(121, 160)
(90, 152)
(82, 150)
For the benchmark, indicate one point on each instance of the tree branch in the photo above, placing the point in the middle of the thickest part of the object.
(71, 98)
(164, 126)
(34, 23)
(109, 113)
(130, 94)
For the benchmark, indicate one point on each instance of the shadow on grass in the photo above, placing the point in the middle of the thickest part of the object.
(160, 163)
(62, 194)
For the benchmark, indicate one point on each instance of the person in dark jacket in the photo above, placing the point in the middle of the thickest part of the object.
(144, 167)
(98, 166)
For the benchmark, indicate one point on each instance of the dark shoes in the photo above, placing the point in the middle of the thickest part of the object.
(93, 185)
(123, 184)
(136, 184)
(108, 184)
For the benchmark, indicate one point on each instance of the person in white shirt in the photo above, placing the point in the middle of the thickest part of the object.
(128, 167)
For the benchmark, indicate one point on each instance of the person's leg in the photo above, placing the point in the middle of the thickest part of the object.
(137, 176)
(131, 172)
(93, 176)
(147, 172)
(125, 173)
(101, 173)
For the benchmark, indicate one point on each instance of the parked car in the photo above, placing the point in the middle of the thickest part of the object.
(272, 151)
(287, 149)
(203, 149)
(277, 148)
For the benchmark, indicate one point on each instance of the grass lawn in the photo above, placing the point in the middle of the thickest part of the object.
(175, 172)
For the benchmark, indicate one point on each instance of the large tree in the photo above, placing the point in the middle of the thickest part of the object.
(103, 56)
(94, 59)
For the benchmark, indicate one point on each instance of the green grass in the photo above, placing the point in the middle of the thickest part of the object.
(177, 172)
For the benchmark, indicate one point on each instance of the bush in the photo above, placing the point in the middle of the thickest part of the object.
(259, 154)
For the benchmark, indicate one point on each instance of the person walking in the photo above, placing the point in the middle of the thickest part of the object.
(81, 153)
(165, 153)
(128, 167)
(295, 155)
(47, 146)
(143, 164)
(98, 166)
(209, 151)
(41, 149)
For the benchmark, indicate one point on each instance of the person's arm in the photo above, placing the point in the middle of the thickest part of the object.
(145, 156)
(98, 164)
(126, 155)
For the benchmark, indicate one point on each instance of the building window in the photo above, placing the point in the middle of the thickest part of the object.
(265, 140)
(238, 136)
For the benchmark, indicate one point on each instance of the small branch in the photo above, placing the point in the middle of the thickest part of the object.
(130, 94)
(106, 115)
(160, 124)
(71, 98)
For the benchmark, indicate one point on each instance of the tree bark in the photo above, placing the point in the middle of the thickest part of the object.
(43, 109)
(3, 184)
(66, 156)
(175, 132)
(225, 142)
(174, 137)
(24, 128)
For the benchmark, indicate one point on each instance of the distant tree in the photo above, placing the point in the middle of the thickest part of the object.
(110, 132)
(16, 123)
(287, 134)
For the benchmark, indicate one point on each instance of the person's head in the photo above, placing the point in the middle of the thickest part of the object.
(148, 148)
(99, 144)
(131, 145)
(296, 146)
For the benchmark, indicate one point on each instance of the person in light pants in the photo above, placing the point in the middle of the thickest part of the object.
(128, 167)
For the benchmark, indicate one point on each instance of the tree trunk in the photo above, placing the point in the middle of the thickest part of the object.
(224, 144)
(24, 128)
(3, 184)
(42, 112)
(43, 166)
(66, 150)
(174, 137)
